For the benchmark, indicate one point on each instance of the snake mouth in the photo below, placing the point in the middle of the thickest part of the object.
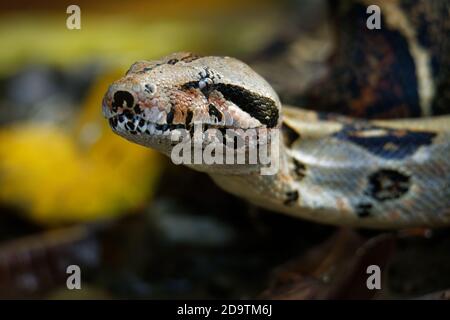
(156, 122)
(138, 125)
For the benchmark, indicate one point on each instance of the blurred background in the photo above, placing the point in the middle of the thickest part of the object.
(72, 192)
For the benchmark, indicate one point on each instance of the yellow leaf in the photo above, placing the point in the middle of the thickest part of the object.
(83, 174)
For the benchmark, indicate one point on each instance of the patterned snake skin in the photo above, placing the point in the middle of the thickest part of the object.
(340, 169)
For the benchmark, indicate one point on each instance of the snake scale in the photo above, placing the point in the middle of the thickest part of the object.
(358, 168)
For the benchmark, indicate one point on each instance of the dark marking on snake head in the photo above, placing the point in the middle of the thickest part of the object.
(113, 122)
(363, 209)
(213, 111)
(169, 117)
(150, 88)
(148, 69)
(129, 126)
(172, 61)
(299, 169)
(128, 114)
(122, 99)
(190, 57)
(387, 184)
(162, 127)
(395, 144)
(289, 135)
(261, 108)
(189, 116)
(177, 126)
(191, 131)
(291, 197)
(190, 85)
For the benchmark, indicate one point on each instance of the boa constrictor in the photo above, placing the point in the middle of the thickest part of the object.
(332, 168)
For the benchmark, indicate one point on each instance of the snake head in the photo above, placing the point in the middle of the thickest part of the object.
(182, 91)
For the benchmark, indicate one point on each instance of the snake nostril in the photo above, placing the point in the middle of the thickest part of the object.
(122, 99)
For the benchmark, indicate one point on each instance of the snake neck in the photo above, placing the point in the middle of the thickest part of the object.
(274, 187)
(354, 173)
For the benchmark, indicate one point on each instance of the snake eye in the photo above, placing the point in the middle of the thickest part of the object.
(150, 88)
(204, 83)
(206, 79)
(122, 99)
